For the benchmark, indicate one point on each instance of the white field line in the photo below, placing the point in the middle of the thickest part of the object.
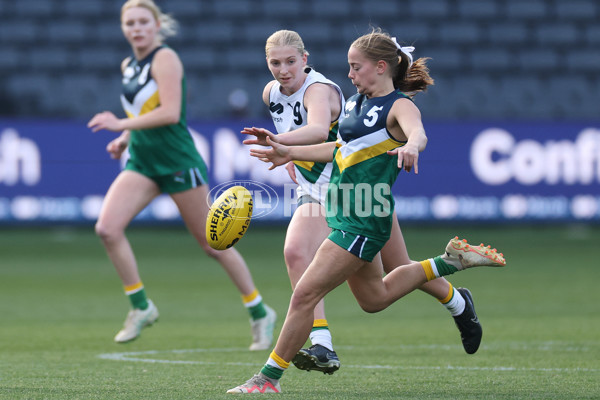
(153, 356)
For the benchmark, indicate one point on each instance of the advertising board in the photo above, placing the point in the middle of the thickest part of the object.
(58, 171)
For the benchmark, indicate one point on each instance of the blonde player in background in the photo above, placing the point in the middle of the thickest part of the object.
(163, 159)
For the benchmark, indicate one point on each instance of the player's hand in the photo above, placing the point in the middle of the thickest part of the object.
(105, 120)
(260, 136)
(408, 157)
(291, 171)
(278, 154)
(116, 147)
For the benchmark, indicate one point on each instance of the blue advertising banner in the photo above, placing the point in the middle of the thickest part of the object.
(58, 171)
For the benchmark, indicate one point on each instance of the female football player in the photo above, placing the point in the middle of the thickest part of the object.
(305, 107)
(380, 133)
(163, 159)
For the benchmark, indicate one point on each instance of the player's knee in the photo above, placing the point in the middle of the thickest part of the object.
(209, 251)
(296, 258)
(106, 232)
(303, 299)
(200, 237)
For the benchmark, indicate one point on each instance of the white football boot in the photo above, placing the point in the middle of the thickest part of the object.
(259, 383)
(462, 255)
(262, 330)
(136, 320)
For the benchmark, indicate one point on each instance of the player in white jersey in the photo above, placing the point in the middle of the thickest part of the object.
(305, 107)
(289, 113)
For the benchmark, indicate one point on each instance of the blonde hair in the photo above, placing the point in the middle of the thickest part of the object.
(285, 38)
(379, 46)
(168, 24)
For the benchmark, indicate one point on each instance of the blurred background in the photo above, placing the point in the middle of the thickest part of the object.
(513, 160)
(500, 59)
(514, 111)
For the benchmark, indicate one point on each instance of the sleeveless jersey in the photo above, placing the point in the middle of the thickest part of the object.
(165, 149)
(289, 114)
(360, 198)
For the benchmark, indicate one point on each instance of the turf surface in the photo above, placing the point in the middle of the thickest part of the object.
(61, 304)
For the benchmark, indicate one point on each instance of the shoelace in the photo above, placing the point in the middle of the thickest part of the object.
(130, 316)
(256, 380)
(255, 331)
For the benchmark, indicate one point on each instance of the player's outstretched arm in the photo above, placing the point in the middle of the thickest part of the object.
(260, 136)
(280, 154)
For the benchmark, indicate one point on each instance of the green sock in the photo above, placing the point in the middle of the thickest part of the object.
(138, 299)
(258, 311)
(271, 372)
(444, 268)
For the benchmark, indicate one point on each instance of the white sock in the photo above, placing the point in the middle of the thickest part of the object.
(322, 337)
(456, 305)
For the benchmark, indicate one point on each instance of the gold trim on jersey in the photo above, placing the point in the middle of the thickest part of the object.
(146, 100)
(364, 148)
(305, 164)
(151, 103)
(309, 164)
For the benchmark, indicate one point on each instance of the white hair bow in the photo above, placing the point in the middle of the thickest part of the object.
(406, 50)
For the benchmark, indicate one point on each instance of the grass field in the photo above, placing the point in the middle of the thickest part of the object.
(61, 304)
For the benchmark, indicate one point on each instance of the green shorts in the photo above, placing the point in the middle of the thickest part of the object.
(178, 181)
(361, 246)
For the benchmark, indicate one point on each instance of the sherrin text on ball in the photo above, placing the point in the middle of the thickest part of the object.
(229, 217)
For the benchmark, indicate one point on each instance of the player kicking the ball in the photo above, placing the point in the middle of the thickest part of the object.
(380, 134)
(315, 106)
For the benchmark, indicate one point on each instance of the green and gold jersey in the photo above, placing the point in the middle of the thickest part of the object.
(360, 198)
(165, 149)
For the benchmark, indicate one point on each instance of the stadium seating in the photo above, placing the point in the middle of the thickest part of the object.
(577, 10)
(480, 10)
(500, 59)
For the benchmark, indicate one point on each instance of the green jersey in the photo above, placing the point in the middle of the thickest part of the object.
(165, 149)
(360, 198)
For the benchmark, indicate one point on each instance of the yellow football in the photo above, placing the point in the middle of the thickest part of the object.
(229, 217)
